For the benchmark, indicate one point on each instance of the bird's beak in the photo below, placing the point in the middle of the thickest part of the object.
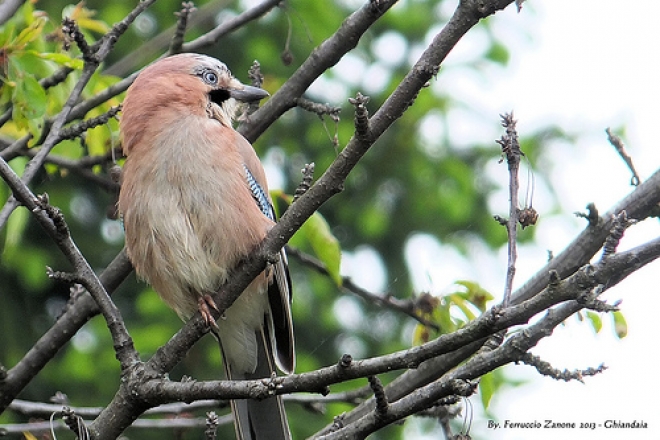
(248, 94)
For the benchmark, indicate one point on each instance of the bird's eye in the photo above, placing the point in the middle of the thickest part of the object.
(210, 77)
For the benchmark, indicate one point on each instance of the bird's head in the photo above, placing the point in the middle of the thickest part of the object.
(221, 88)
(185, 84)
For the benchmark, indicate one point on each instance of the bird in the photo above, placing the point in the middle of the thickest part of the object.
(194, 202)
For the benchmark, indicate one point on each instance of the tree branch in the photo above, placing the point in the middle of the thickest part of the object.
(512, 152)
(569, 293)
(620, 148)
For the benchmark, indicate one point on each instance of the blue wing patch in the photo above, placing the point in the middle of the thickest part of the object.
(259, 195)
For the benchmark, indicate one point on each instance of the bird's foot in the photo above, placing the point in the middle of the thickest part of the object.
(205, 305)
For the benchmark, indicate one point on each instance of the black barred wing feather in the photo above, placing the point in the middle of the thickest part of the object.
(279, 292)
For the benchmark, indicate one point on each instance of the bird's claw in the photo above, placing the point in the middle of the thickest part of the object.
(205, 305)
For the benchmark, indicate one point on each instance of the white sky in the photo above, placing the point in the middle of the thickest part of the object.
(588, 65)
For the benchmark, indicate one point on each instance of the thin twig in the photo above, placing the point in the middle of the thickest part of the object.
(71, 31)
(181, 24)
(78, 129)
(306, 182)
(546, 369)
(361, 120)
(406, 307)
(620, 148)
(211, 425)
(230, 25)
(512, 152)
(159, 43)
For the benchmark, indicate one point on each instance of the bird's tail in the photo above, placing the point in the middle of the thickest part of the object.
(259, 419)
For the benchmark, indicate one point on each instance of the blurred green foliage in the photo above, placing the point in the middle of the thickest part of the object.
(401, 187)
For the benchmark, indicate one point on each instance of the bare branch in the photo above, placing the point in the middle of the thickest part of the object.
(319, 109)
(211, 425)
(621, 223)
(75, 423)
(77, 129)
(181, 24)
(361, 116)
(620, 148)
(591, 215)
(70, 29)
(604, 274)
(379, 394)
(212, 37)
(567, 292)
(306, 182)
(326, 55)
(8, 8)
(149, 424)
(512, 152)
(546, 369)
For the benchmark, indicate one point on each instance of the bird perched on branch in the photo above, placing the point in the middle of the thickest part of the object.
(194, 202)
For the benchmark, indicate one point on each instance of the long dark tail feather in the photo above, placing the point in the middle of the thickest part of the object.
(259, 419)
(281, 324)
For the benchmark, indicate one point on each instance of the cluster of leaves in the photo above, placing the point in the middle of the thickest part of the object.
(32, 48)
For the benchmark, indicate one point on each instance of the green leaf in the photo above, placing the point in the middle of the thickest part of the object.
(460, 302)
(498, 53)
(30, 97)
(317, 233)
(421, 335)
(475, 294)
(15, 227)
(620, 325)
(60, 58)
(29, 103)
(487, 389)
(17, 221)
(596, 321)
(7, 33)
(29, 34)
(442, 317)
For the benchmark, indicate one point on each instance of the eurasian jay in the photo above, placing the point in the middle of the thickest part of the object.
(194, 201)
